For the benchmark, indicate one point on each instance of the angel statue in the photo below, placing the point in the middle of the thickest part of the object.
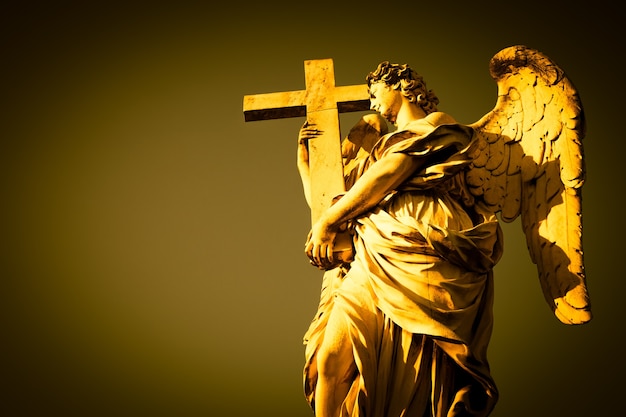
(403, 324)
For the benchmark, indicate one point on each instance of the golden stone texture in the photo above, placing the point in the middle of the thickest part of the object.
(404, 321)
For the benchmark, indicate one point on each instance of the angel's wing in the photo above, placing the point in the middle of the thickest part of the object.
(528, 160)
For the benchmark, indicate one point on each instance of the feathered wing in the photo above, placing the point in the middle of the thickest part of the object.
(528, 160)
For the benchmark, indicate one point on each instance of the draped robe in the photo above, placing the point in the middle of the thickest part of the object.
(418, 295)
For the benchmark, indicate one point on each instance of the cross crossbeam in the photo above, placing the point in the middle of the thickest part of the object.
(321, 102)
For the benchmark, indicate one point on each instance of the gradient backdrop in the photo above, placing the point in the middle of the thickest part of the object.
(152, 259)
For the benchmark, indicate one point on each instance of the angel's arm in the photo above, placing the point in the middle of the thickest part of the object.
(362, 137)
(382, 177)
(307, 132)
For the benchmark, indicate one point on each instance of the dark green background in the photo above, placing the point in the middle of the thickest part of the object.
(152, 259)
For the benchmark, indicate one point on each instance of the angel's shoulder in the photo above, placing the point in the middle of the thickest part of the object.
(440, 118)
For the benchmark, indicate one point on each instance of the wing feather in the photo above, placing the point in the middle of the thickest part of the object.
(528, 161)
(511, 206)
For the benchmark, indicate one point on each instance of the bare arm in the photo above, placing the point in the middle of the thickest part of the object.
(307, 132)
(380, 179)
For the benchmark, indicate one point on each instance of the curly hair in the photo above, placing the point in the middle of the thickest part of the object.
(409, 82)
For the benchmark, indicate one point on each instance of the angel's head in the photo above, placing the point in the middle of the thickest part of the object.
(408, 82)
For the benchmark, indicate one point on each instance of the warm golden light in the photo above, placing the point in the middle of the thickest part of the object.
(152, 256)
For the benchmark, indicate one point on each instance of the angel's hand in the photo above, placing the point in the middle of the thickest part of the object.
(308, 131)
(320, 245)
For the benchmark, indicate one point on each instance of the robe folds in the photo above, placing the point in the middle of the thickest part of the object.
(417, 297)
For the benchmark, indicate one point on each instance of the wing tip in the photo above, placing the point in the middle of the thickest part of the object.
(519, 56)
(573, 307)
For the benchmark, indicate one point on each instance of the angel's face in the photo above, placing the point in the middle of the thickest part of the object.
(385, 100)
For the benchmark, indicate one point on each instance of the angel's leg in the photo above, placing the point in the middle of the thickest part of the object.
(336, 367)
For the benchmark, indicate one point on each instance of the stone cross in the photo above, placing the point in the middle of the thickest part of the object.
(321, 102)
